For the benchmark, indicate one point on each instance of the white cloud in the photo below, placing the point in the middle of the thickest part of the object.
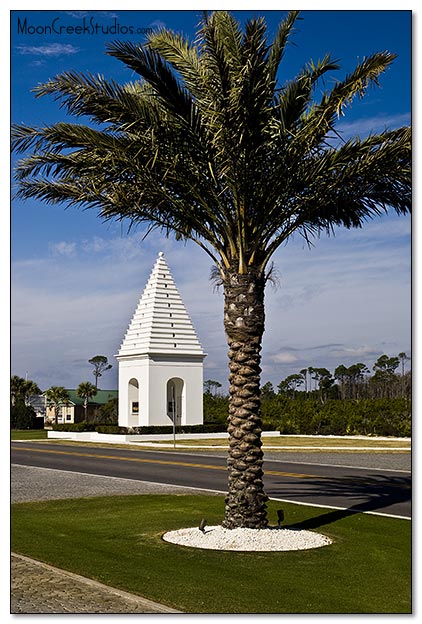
(371, 125)
(50, 50)
(364, 351)
(78, 14)
(284, 357)
(158, 24)
(94, 245)
(62, 248)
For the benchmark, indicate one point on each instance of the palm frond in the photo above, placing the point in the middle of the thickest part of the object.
(346, 186)
(295, 96)
(153, 69)
(184, 57)
(99, 99)
(279, 43)
(223, 38)
(321, 118)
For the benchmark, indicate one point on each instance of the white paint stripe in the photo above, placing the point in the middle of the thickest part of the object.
(283, 461)
(371, 513)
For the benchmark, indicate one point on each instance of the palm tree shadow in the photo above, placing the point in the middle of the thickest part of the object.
(375, 493)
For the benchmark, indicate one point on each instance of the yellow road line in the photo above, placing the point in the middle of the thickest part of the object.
(159, 461)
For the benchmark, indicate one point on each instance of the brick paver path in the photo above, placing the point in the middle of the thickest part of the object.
(40, 588)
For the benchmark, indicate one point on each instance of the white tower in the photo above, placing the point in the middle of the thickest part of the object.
(160, 359)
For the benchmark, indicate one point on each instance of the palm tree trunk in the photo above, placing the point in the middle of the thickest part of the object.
(244, 324)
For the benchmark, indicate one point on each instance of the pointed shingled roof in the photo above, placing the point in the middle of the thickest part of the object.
(161, 324)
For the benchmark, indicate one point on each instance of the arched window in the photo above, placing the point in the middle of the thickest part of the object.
(175, 400)
(133, 395)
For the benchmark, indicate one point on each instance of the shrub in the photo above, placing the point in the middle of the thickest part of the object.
(112, 429)
(152, 429)
(216, 409)
(77, 427)
(22, 416)
(158, 429)
(107, 414)
(389, 417)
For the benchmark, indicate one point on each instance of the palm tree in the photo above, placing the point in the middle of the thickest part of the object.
(56, 397)
(86, 390)
(208, 146)
(21, 389)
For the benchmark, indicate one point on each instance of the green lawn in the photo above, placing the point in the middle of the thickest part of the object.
(117, 540)
(28, 434)
(308, 443)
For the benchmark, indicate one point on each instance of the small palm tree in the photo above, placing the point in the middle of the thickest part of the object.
(86, 390)
(22, 389)
(56, 397)
(207, 145)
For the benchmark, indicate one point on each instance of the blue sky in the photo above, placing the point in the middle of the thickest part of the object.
(76, 281)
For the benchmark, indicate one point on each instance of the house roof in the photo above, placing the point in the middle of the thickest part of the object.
(102, 397)
(161, 324)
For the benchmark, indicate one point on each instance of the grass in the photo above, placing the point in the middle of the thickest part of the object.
(28, 434)
(284, 442)
(117, 541)
(307, 443)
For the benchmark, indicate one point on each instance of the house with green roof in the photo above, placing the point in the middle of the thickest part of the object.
(73, 410)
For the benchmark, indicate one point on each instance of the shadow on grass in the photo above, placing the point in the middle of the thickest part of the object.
(371, 493)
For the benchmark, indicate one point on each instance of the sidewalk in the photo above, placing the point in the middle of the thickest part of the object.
(40, 588)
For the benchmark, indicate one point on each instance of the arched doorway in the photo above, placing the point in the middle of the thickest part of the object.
(175, 400)
(133, 401)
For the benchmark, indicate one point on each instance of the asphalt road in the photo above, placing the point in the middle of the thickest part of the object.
(349, 488)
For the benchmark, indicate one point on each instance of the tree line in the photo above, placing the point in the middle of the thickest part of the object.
(389, 380)
(349, 401)
(311, 416)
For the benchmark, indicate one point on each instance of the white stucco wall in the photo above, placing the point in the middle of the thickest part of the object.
(192, 395)
(152, 376)
(139, 370)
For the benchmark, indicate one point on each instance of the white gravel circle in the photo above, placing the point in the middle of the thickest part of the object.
(270, 539)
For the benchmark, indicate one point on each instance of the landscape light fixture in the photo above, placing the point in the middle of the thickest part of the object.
(280, 516)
